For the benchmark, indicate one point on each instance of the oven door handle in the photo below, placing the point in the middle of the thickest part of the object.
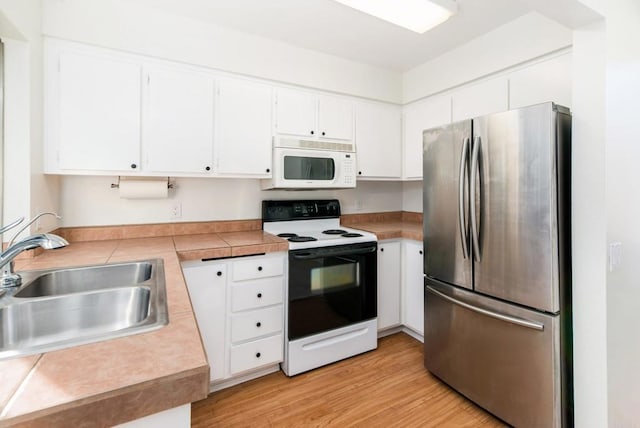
(308, 255)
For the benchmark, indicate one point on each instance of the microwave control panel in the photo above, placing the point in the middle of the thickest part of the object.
(349, 169)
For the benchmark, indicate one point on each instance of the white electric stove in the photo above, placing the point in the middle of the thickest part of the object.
(331, 298)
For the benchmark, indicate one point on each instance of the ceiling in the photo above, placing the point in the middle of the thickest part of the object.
(330, 27)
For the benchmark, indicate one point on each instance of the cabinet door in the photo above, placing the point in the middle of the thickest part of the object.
(429, 113)
(378, 140)
(243, 127)
(99, 113)
(388, 284)
(413, 287)
(546, 81)
(178, 120)
(207, 289)
(486, 97)
(335, 118)
(296, 113)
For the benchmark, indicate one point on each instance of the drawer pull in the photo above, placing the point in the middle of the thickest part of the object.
(219, 273)
(258, 355)
(259, 268)
(259, 295)
(258, 324)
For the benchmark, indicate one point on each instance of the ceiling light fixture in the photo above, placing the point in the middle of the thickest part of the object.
(414, 15)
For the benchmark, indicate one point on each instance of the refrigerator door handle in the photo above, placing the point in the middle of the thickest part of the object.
(474, 224)
(461, 200)
(502, 317)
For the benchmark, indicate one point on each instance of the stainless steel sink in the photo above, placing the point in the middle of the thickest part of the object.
(74, 280)
(56, 309)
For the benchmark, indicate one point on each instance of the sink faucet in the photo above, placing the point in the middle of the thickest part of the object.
(48, 241)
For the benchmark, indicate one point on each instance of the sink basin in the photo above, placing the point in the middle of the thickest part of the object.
(55, 309)
(74, 280)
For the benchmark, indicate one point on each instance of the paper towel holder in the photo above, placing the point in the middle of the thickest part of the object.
(170, 185)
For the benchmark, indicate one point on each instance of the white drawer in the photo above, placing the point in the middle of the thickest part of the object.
(256, 354)
(256, 294)
(252, 324)
(261, 267)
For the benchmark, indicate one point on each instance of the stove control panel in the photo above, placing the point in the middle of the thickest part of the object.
(299, 210)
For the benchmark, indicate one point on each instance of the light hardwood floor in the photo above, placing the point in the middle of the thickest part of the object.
(388, 387)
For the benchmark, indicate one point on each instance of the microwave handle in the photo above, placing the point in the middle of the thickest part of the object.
(308, 255)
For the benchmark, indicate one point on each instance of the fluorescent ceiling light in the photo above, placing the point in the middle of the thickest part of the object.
(415, 15)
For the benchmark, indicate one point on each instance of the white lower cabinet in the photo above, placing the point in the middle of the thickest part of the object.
(207, 283)
(413, 286)
(389, 280)
(256, 353)
(238, 304)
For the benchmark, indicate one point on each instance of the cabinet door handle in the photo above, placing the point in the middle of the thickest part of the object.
(259, 268)
(312, 132)
(257, 354)
(258, 324)
(381, 249)
(259, 295)
(323, 133)
(219, 273)
(134, 166)
(268, 170)
(420, 251)
(207, 168)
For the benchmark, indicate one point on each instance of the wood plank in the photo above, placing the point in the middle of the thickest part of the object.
(386, 387)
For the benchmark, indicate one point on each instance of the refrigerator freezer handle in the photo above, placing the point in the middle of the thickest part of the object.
(474, 224)
(502, 317)
(461, 200)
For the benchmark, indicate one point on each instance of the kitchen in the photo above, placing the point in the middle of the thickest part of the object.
(601, 83)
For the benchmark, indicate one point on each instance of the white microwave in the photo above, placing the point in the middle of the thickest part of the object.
(304, 164)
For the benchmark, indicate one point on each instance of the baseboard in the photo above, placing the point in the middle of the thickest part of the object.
(389, 331)
(227, 383)
(412, 333)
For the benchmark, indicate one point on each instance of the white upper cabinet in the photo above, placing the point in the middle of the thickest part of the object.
(378, 140)
(429, 113)
(296, 113)
(335, 118)
(95, 124)
(545, 81)
(178, 120)
(490, 96)
(313, 116)
(244, 127)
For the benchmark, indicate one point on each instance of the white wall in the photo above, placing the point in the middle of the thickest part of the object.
(135, 28)
(623, 209)
(589, 227)
(90, 201)
(412, 196)
(530, 36)
(27, 190)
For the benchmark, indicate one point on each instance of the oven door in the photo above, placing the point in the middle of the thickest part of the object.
(331, 287)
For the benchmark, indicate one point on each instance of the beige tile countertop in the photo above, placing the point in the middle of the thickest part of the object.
(111, 382)
(393, 225)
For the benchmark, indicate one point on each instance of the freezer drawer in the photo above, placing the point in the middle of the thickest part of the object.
(503, 357)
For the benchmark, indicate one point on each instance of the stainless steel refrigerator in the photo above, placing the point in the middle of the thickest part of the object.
(497, 262)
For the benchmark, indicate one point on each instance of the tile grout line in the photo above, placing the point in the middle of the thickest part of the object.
(20, 388)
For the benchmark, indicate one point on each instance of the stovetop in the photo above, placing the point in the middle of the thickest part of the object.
(314, 229)
(310, 223)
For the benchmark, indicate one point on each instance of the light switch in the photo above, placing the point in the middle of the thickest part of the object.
(615, 255)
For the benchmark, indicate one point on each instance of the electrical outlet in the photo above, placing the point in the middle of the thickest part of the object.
(176, 209)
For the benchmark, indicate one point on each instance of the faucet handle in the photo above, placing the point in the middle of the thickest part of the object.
(30, 223)
(11, 225)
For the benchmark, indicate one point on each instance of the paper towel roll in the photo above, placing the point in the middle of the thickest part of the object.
(143, 189)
